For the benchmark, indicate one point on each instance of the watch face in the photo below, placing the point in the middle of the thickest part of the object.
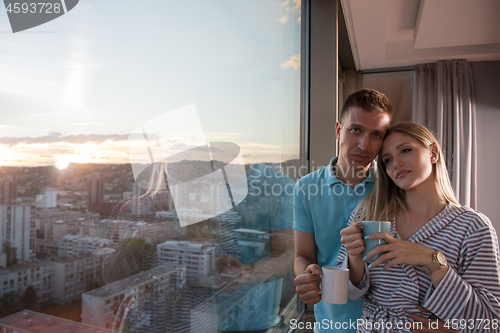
(441, 259)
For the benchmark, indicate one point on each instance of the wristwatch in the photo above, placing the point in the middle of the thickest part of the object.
(438, 261)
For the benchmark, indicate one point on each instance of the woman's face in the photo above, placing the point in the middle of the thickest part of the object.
(408, 163)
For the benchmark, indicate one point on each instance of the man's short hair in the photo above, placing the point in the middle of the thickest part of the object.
(368, 100)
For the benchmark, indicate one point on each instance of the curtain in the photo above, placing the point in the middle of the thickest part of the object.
(443, 101)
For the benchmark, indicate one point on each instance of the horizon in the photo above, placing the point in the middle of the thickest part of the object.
(73, 94)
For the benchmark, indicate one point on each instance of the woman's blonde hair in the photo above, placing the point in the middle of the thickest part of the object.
(387, 198)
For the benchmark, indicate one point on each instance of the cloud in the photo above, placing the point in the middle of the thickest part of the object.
(221, 135)
(298, 19)
(285, 3)
(81, 66)
(297, 7)
(62, 151)
(259, 145)
(284, 18)
(294, 62)
(181, 146)
(85, 124)
(49, 114)
(55, 137)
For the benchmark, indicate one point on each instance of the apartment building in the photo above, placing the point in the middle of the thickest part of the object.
(102, 258)
(252, 243)
(17, 226)
(8, 191)
(96, 192)
(70, 245)
(49, 198)
(55, 230)
(139, 301)
(198, 258)
(37, 274)
(72, 276)
(154, 232)
(111, 229)
(57, 223)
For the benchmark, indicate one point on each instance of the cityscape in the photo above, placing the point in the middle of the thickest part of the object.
(88, 238)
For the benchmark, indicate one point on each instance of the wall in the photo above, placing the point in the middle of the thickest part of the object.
(486, 76)
(397, 86)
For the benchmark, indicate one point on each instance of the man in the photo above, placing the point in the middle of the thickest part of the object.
(324, 200)
(265, 236)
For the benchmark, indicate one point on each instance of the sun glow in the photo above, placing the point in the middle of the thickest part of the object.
(62, 163)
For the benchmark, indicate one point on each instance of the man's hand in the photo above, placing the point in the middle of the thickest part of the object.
(308, 284)
(426, 323)
(232, 272)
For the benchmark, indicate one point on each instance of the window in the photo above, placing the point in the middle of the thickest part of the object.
(214, 88)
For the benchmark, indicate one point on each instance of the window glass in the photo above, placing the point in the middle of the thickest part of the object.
(152, 147)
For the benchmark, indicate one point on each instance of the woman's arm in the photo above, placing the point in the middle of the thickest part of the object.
(471, 293)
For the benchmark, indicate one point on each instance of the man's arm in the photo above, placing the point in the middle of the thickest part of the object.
(306, 270)
(305, 251)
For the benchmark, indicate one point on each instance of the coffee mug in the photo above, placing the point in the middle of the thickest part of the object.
(372, 227)
(334, 285)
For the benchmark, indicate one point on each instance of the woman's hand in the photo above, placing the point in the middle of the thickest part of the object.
(430, 325)
(352, 238)
(399, 251)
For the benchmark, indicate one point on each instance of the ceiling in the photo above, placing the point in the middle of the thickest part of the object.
(400, 33)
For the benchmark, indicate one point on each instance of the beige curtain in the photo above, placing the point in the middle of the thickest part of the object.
(443, 100)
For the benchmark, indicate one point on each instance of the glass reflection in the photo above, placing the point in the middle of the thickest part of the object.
(189, 233)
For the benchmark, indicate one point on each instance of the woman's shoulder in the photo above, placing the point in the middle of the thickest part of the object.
(468, 216)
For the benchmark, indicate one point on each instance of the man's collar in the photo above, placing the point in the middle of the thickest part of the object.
(331, 178)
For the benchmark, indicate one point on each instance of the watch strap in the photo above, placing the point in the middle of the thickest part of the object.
(432, 267)
(435, 265)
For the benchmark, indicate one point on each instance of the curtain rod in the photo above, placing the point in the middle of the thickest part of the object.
(388, 70)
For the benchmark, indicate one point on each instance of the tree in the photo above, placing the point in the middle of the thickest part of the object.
(30, 298)
(133, 255)
(11, 253)
(9, 303)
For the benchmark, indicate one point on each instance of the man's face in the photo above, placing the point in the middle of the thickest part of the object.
(360, 137)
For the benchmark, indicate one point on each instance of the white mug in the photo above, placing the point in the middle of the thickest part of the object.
(334, 285)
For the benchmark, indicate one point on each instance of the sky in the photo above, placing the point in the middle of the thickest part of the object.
(78, 86)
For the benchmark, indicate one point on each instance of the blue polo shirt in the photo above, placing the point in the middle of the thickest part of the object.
(322, 205)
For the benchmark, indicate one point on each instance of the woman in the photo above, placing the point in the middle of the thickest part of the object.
(440, 255)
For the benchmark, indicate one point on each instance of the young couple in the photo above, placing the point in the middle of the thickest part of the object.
(440, 257)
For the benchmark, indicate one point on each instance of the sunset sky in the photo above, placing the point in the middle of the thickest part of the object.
(79, 85)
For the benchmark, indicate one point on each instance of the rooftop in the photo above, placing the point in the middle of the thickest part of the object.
(133, 281)
(178, 245)
(72, 258)
(28, 265)
(34, 322)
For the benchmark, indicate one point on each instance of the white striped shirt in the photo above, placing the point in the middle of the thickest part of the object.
(470, 290)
